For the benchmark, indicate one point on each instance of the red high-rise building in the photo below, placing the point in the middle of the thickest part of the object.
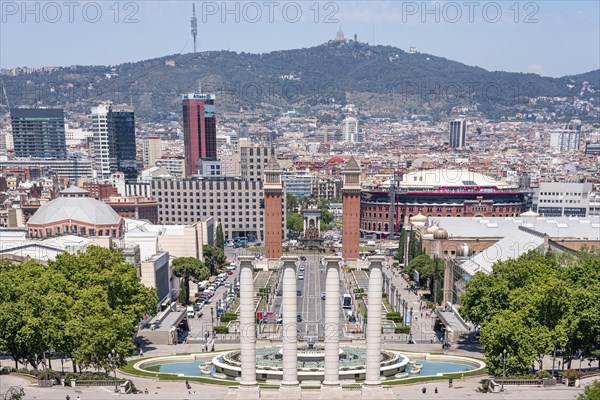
(273, 215)
(199, 130)
(351, 211)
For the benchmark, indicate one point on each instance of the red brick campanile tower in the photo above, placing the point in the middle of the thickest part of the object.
(273, 213)
(351, 212)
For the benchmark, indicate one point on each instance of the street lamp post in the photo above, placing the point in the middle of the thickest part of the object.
(504, 356)
(410, 338)
(113, 357)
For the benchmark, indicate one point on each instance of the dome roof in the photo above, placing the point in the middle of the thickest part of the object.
(418, 218)
(432, 229)
(440, 234)
(74, 205)
(529, 213)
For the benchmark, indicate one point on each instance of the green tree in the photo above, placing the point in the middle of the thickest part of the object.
(412, 247)
(423, 264)
(190, 268)
(591, 391)
(291, 203)
(552, 301)
(401, 241)
(214, 258)
(485, 297)
(509, 331)
(295, 222)
(326, 216)
(220, 237)
(81, 304)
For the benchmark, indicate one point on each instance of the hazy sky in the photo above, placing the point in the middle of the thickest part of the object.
(551, 38)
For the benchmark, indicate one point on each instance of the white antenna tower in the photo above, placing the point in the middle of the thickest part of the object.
(194, 24)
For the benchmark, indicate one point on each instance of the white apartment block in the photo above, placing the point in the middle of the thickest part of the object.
(253, 158)
(175, 166)
(563, 199)
(350, 130)
(101, 145)
(152, 151)
(565, 140)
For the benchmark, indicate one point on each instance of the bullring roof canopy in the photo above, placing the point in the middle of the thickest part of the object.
(432, 178)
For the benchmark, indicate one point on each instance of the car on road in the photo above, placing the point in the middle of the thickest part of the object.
(299, 293)
(229, 272)
(303, 258)
(298, 318)
(279, 293)
(300, 275)
(323, 295)
(302, 268)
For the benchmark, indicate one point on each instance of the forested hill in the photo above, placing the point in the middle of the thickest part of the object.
(372, 76)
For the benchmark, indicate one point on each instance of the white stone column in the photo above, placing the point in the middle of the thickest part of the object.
(247, 327)
(372, 376)
(289, 334)
(332, 323)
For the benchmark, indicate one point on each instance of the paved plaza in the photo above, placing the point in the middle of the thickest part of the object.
(176, 390)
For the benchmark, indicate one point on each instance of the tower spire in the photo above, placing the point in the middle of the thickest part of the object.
(194, 24)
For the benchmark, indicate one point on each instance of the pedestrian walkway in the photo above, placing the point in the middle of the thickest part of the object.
(168, 390)
(422, 319)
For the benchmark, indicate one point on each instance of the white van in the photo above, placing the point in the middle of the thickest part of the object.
(190, 312)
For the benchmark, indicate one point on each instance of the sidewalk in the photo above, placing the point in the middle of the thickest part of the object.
(422, 326)
(466, 389)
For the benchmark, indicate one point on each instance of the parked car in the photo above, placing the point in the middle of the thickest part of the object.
(299, 293)
(298, 318)
(303, 258)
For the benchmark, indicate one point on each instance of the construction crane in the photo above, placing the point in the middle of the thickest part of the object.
(393, 186)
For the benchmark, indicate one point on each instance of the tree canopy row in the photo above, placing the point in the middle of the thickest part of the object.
(81, 305)
(535, 306)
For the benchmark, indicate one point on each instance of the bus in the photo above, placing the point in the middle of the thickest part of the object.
(347, 301)
(240, 242)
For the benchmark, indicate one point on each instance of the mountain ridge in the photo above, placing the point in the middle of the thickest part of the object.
(338, 72)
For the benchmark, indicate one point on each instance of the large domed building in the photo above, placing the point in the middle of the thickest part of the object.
(75, 213)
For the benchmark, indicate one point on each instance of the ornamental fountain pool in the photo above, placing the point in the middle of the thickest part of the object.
(227, 365)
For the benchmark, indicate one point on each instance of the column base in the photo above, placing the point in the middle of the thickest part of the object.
(332, 392)
(375, 391)
(290, 392)
(246, 392)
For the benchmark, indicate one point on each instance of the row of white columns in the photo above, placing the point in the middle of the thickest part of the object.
(331, 384)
